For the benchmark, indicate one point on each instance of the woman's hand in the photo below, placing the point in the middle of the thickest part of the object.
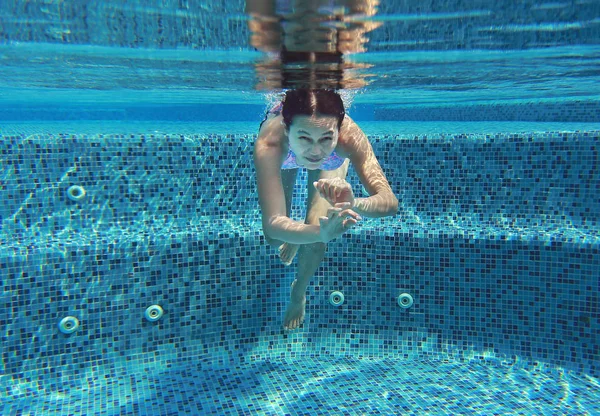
(340, 218)
(335, 190)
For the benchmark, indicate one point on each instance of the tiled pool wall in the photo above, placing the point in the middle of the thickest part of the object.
(497, 241)
(566, 111)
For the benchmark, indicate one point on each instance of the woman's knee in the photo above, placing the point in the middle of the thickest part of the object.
(314, 249)
(271, 241)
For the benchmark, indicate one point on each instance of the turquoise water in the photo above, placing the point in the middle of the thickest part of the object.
(395, 128)
(185, 243)
(480, 385)
(143, 104)
(76, 74)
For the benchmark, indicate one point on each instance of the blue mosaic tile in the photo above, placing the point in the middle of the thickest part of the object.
(497, 241)
(565, 111)
(332, 385)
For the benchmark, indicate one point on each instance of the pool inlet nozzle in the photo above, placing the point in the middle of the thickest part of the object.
(76, 193)
(336, 298)
(405, 300)
(153, 313)
(68, 325)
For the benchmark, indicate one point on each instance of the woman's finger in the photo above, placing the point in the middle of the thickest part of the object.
(331, 193)
(343, 205)
(348, 213)
(323, 188)
(323, 221)
(319, 186)
(333, 212)
(328, 189)
(349, 223)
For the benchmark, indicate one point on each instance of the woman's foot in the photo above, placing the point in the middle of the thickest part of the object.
(294, 314)
(287, 252)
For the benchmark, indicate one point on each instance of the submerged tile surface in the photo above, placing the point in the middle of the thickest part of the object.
(329, 385)
(497, 242)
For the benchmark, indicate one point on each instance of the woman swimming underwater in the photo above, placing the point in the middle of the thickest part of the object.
(311, 130)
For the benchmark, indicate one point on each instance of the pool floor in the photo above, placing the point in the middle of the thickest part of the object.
(325, 385)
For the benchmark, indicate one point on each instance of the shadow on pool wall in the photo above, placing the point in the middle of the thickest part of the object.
(497, 241)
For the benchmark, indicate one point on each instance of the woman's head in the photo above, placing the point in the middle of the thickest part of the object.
(312, 119)
(312, 103)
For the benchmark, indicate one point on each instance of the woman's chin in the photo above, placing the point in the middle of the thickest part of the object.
(312, 164)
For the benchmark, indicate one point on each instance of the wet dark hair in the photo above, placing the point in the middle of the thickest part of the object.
(308, 102)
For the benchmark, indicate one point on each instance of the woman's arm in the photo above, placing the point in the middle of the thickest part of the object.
(382, 202)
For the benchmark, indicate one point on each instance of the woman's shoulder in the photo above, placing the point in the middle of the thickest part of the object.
(272, 131)
(271, 138)
(350, 130)
(351, 136)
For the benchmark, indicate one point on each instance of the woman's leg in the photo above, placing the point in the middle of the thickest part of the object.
(287, 251)
(288, 179)
(309, 255)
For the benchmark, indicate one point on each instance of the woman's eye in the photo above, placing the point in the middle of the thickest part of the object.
(326, 138)
(304, 138)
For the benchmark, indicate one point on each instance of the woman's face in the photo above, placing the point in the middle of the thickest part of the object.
(313, 139)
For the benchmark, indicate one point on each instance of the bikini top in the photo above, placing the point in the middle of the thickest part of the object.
(332, 162)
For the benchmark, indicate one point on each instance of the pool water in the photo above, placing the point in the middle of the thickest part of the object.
(325, 384)
(477, 341)
(486, 122)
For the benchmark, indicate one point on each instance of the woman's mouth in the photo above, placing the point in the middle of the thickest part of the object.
(317, 160)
